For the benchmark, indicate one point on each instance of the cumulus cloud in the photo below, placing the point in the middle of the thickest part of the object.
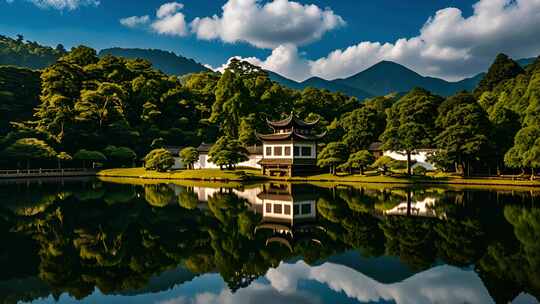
(169, 20)
(442, 284)
(62, 4)
(135, 21)
(449, 45)
(270, 25)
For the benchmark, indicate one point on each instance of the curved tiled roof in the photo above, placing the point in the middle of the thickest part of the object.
(292, 121)
(290, 135)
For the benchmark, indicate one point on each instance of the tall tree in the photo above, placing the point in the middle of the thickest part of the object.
(28, 149)
(332, 156)
(411, 123)
(465, 130)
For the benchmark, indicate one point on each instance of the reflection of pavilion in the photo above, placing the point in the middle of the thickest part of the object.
(289, 214)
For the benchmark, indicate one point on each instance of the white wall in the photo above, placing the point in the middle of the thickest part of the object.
(420, 157)
(203, 162)
(313, 153)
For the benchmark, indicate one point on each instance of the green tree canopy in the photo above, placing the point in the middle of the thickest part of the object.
(28, 149)
(332, 155)
(411, 123)
(159, 160)
(189, 156)
(359, 160)
(465, 129)
(227, 152)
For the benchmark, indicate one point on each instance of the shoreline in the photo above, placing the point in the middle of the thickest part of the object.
(250, 176)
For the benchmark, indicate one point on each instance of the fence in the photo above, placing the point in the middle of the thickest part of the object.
(46, 173)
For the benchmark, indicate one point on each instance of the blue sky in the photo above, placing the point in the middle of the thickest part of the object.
(296, 38)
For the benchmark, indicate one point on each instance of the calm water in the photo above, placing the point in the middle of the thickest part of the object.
(98, 242)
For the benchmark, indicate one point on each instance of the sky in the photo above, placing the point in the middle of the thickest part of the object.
(450, 39)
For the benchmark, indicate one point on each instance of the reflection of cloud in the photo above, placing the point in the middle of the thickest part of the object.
(255, 293)
(442, 284)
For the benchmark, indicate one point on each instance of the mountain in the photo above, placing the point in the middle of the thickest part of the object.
(525, 61)
(319, 83)
(167, 62)
(386, 77)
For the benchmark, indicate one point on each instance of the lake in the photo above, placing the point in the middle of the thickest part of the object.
(92, 241)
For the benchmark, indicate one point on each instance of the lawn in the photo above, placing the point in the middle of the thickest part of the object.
(245, 175)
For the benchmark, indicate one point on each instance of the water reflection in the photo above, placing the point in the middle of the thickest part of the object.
(90, 240)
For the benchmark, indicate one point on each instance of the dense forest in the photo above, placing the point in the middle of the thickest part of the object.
(75, 238)
(113, 107)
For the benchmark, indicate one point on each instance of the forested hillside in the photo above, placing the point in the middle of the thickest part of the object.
(19, 52)
(167, 62)
(91, 103)
(117, 106)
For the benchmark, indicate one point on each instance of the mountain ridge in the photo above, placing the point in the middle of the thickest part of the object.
(166, 61)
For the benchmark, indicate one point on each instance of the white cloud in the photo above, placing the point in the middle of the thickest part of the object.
(169, 20)
(61, 4)
(449, 45)
(135, 21)
(168, 9)
(270, 25)
(442, 284)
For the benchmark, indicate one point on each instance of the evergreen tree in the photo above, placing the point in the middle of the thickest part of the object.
(411, 123)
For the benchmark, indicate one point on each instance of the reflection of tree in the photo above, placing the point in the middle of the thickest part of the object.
(411, 239)
(159, 195)
(77, 238)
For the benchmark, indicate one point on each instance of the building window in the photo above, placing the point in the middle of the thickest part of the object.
(296, 209)
(287, 151)
(278, 151)
(277, 209)
(306, 151)
(296, 151)
(268, 151)
(268, 208)
(306, 208)
(287, 209)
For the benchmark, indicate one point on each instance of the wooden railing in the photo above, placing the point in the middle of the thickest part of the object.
(46, 172)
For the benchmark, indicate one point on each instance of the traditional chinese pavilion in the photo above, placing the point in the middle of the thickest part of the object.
(291, 149)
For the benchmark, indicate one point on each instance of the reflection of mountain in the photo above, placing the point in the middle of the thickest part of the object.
(164, 281)
(441, 284)
(385, 269)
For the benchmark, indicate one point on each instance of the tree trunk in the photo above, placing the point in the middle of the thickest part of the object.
(532, 174)
(409, 169)
(361, 170)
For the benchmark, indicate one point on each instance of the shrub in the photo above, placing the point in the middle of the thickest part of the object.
(159, 160)
(420, 170)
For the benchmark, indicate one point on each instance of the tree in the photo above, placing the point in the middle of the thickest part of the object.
(159, 160)
(411, 123)
(332, 155)
(362, 127)
(465, 130)
(189, 156)
(157, 143)
(87, 155)
(383, 163)
(227, 152)
(359, 160)
(63, 156)
(28, 149)
(247, 132)
(525, 152)
(120, 155)
(503, 68)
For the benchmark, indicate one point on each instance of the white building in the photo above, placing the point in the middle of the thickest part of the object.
(255, 155)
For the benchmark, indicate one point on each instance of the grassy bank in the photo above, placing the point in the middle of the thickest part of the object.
(255, 175)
